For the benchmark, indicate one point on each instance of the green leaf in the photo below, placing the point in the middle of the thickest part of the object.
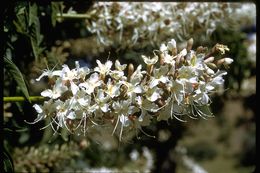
(8, 162)
(34, 27)
(28, 23)
(35, 42)
(21, 19)
(33, 14)
(56, 7)
(20, 27)
(17, 75)
(8, 130)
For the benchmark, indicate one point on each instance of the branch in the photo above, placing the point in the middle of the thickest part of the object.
(74, 16)
(22, 99)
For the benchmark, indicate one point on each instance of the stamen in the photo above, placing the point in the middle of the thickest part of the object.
(115, 125)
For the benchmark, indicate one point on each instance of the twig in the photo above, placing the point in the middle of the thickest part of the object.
(74, 16)
(22, 99)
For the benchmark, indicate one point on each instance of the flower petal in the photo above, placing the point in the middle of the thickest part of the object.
(47, 93)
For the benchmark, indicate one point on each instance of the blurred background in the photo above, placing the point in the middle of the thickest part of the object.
(41, 35)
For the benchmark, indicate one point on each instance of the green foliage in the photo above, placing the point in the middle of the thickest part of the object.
(43, 158)
(56, 7)
(8, 162)
(27, 23)
(17, 75)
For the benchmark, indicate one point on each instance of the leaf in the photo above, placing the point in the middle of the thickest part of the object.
(28, 23)
(33, 14)
(21, 19)
(34, 27)
(8, 130)
(8, 162)
(35, 42)
(56, 7)
(17, 75)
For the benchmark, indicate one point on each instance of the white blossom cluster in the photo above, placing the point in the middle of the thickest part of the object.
(142, 24)
(175, 84)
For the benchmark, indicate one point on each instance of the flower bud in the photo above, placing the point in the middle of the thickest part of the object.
(210, 71)
(209, 59)
(227, 61)
(212, 65)
(189, 44)
(161, 59)
(130, 71)
(172, 47)
(171, 44)
(224, 61)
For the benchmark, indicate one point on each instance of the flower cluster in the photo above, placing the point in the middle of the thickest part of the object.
(122, 98)
(142, 24)
(44, 158)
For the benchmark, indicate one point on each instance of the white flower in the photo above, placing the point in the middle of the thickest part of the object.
(119, 67)
(83, 99)
(74, 88)
(177, 90)
(154, 94)
(188, 73)
(101, 101)
(168, 59)
(150, 61)
(118, 74)
(62, 112)
(171, 45)
(183, 53)
(163, 48)
(113, 90)
(71, 115)
(81, 71)
(218, 79)
(41, 114)
(132, 89)
(202, 93)
(103, 69)
(90, 84)
(144, 106)
(44, 110)
(123, 109)
(159, 75)
(49, 73)
(68, 74)
(133, 86)
(137, 76)
(57, 90)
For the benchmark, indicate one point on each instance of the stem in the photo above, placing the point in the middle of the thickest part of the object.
(71, 15)
(22, 99)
